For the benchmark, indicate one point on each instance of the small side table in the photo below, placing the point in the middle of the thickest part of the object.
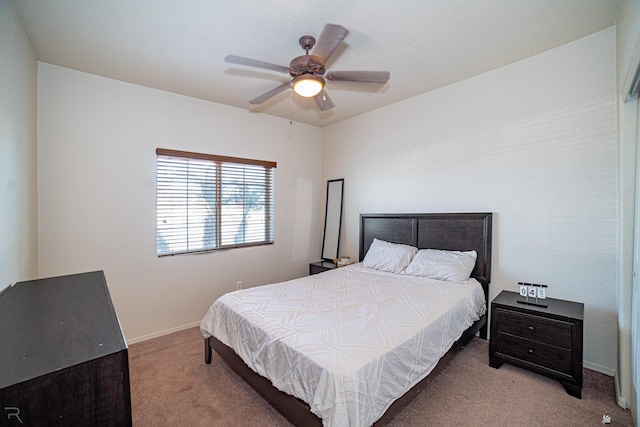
(320, 266)
(547, 341)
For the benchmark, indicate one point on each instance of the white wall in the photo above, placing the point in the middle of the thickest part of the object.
(97, 141)
(18, 189)
(535, 143)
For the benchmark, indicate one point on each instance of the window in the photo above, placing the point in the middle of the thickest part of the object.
(206, 202)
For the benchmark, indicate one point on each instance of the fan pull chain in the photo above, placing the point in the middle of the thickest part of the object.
(291, 107)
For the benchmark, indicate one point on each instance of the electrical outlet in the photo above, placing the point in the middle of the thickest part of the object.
(239, 284)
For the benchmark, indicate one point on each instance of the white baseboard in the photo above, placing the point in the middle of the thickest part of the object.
(599, 368)
(161, 333)
(620, 400)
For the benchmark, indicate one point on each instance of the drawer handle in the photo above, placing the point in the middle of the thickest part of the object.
(531, 328)
(530, 351)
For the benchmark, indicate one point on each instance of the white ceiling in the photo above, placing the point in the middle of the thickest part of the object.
(180, 46)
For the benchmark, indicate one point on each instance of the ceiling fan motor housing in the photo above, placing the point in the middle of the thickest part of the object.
(306, 64)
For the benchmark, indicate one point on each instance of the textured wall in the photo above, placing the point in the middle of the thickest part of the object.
(535, 142)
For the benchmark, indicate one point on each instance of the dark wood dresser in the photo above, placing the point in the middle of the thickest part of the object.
(63, 357)
(547, 340)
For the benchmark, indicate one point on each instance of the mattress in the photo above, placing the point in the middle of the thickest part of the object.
(348, 341)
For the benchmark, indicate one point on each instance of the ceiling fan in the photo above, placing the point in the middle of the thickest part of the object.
(308, 70)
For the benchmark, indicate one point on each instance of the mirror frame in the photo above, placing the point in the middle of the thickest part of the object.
(332, 219)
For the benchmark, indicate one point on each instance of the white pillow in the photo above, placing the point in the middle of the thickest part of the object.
(454, 266)
(387, 256)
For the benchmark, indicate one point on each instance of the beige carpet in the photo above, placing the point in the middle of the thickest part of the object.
(171, 385)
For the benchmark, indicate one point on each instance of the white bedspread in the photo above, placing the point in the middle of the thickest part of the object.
(348, 341)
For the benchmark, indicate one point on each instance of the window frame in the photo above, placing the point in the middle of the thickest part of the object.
(218, 162)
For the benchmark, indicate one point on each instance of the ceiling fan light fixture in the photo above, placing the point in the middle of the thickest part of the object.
(307, 85)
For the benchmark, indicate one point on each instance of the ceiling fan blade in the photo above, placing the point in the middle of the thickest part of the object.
(273, 92)
(232, 59)
(324, 102)
(359, 76)
(331, 36)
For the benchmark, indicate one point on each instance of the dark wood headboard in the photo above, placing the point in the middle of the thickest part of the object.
(447, 231)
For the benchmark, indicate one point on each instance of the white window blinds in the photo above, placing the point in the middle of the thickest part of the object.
(206, 202)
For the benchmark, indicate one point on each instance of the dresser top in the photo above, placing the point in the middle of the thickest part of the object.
(51, 324)
(555, 307)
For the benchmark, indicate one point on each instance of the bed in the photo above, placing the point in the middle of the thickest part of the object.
(333, 368)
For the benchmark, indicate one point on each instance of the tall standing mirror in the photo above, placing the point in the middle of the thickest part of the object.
(332, 220)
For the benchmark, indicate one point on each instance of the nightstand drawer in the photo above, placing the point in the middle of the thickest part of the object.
(552, 357)
(544, 330)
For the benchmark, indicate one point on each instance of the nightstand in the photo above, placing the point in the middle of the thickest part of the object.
(547, 341)
(320, 266)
